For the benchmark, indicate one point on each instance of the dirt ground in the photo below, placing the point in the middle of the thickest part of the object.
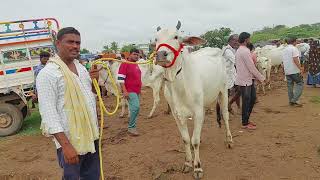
(284, 146)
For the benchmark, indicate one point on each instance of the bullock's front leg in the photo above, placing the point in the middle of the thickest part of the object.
(168, 111)
(123, 107)
(183, 129)
(263, 88)
(276, 69)
(156, 100)
(269, 85)
(269, 78)
(198, 122)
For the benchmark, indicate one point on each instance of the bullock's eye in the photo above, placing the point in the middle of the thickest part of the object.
(176, 37)
(155, 39)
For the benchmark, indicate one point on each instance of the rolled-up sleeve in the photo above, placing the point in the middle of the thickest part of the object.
(48, 97)
(122, 73)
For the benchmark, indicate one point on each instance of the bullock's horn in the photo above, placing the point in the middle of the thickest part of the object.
(158, 28)
(178, 25)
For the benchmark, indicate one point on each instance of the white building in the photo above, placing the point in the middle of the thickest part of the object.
(144, 48)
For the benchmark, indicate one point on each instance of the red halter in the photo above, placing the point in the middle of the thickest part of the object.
(175, 52)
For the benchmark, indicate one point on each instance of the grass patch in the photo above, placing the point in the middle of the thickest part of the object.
(315, 99)
(31, 125)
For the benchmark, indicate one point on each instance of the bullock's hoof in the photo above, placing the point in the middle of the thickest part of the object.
(186, 168)
(198, 174)
(269, 88)
(150, 117)
(121, 116)
(229, 145)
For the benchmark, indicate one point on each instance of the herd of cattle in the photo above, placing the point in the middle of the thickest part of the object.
(194, 81)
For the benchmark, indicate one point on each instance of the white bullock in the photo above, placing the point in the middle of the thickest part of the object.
(264, 67)
(273, 53)
(151, 76)
(193, 81)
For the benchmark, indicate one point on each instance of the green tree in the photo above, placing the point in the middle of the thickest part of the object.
(127, 48)
(84, 51)
(282, 32)
(114, 46)
(217, 37)
(106, 49)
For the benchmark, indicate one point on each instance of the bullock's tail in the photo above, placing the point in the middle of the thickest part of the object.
(218, 114)
(218, 110)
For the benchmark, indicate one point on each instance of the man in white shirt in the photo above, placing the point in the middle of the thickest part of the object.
(51, 85)
(228, 52)
(293, 69)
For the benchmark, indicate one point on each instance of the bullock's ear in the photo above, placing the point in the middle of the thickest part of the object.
(178, 25)
(193, 41)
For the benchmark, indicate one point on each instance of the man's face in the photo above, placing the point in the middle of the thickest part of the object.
(44, 60)
(234, 43)
(295, 42)
(69, 46)
(134, 56)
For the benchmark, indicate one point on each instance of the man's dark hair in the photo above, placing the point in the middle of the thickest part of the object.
(123, 56)
(243, 36)
(291, 40)
(231, 37)
(44, 54)
(134, 50)
(67, 30)
(250, 46)
(305, 40)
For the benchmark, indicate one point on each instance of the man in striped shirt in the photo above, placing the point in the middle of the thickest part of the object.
(129, 76)
(51, 90)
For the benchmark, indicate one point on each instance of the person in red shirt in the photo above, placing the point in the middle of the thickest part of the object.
(129, 76)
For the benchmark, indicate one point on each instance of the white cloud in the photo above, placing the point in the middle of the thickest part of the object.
(124, 21)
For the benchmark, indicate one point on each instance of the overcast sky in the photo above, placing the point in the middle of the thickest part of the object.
(135, 21)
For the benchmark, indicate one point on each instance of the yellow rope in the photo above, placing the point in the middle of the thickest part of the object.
(103, 109)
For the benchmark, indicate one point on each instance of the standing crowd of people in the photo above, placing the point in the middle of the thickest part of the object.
(243, 74)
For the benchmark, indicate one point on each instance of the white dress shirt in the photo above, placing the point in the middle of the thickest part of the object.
(51, 90)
